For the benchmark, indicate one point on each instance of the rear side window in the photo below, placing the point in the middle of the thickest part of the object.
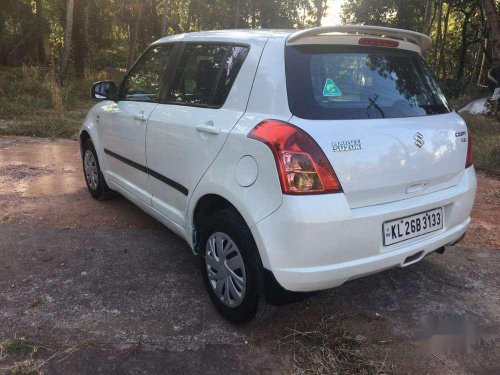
(332, 82)
(206, 74)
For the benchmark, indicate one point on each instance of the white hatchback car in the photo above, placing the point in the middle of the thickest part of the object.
(290, 161)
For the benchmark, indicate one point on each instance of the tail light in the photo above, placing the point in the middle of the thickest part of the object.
(470, 156)
(303, 167)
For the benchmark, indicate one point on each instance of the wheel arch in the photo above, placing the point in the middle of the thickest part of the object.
(208, 204)
(84, 136)
(205, 206)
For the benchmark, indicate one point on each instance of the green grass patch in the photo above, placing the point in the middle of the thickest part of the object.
(33, 104)
(486, 142)
(18, 346)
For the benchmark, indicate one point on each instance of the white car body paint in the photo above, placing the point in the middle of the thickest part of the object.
(310, 242)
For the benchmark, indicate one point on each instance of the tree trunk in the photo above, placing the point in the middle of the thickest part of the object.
(40, 26)
(320, 8)
(156, 29)
(67, 42)
(164, 18)
(134, 35)
(190, 15)
(491, 13)
(442, 61)
(483, 62)
(428, 17)
(437, 43)
(80, 37)
(237, 15)
(254, 15)
(268, 11)
(463, 47)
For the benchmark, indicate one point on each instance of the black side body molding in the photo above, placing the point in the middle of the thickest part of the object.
(182, 189)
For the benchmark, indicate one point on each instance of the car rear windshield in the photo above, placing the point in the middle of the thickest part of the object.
(332, 82)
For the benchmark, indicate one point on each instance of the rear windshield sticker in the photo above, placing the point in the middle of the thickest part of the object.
(331, 89)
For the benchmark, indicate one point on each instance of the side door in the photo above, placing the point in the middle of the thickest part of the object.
(123, 123)
(188, 129)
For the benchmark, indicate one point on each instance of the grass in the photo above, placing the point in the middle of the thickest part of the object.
(486, 142)
(32, 102)
(327, 348)
(27, 367)
(19, 347)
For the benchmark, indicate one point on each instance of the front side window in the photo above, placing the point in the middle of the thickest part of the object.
(206, 74)
(143, 82)
(331, 82)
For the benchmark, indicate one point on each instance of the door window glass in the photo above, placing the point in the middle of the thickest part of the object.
(232, 64)
(206, 74)
(143, 82)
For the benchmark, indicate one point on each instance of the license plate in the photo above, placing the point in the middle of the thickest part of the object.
(412, 226)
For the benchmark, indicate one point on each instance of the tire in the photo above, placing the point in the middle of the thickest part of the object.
(228, 227)
(92, 173)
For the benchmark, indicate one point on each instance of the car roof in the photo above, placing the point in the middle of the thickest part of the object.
(250, 36)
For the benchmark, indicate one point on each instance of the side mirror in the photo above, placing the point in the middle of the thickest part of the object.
(104, 90)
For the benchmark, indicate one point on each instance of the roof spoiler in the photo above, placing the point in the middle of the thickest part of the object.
(422, 40)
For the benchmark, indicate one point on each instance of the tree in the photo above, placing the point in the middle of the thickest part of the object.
(320, 10)
(428, 17)
(67, 41)
(110, 33)
(407, 14)
(134, 34)
(41, 32)
(80, 36)
(164, 19)
(467, 8)
(457, 28)
(237, 14)
(492, 15)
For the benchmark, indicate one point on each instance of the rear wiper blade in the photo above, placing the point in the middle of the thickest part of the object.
(373, 103)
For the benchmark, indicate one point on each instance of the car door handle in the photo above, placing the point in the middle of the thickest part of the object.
(209, 129)
(140, 117)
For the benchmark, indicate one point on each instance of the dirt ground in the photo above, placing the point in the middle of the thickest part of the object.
(102, 288)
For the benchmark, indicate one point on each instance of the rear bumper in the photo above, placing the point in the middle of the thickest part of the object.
(318, 242)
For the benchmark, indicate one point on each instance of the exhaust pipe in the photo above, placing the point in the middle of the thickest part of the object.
(441, 250)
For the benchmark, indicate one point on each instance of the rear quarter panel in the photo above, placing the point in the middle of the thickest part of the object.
(254, 202)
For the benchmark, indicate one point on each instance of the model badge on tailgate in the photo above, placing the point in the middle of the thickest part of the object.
(342, 146)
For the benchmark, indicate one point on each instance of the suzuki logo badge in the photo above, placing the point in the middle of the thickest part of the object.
(419, 140)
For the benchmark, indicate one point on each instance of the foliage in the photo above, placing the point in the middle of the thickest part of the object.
(407, 14)
(106, 32)
(32, 103)
(486, 141)
(459, 30)
(17, 346)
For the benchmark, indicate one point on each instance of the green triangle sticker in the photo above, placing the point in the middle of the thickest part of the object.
(331, 89)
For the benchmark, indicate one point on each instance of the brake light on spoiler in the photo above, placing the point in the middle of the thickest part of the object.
(378, 42)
